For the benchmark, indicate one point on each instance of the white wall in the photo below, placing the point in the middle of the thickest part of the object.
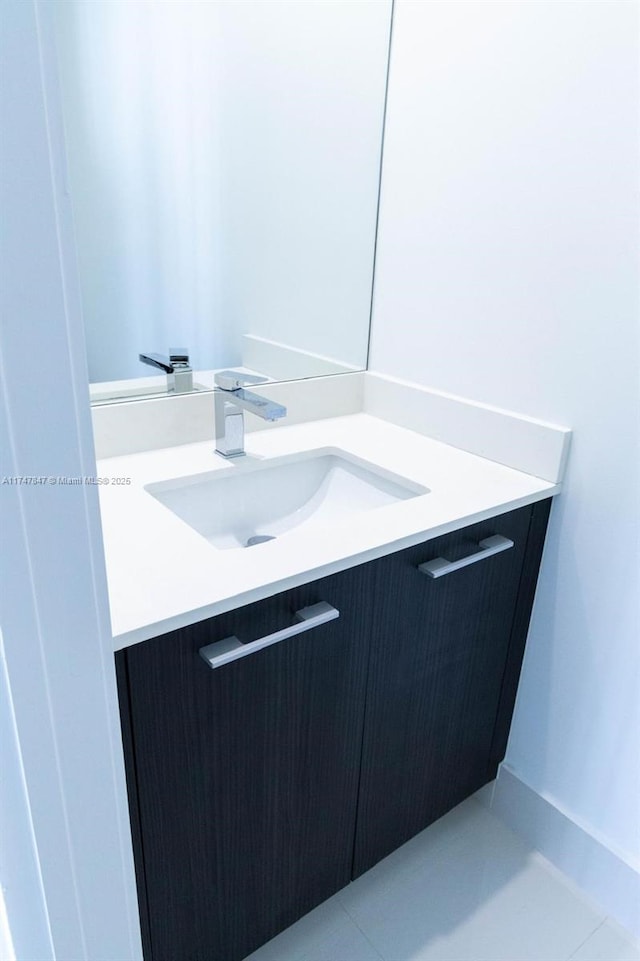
(507, 273)
(20, 875)
(67, 870)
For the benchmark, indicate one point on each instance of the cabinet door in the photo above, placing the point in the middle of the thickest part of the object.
(247, 775)
(438, 658)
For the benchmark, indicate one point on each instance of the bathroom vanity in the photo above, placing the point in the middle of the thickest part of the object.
(346, 684)
(262, 786)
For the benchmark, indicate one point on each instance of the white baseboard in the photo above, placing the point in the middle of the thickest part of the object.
(605, 876)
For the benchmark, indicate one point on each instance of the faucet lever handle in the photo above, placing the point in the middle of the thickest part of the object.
(234, 379)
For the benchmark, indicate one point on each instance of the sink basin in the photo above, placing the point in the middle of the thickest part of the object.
(253, 502)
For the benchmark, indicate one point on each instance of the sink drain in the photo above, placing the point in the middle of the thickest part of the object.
(259, 539)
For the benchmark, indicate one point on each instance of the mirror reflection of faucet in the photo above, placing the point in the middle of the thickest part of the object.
(230, 401)
(176, 366)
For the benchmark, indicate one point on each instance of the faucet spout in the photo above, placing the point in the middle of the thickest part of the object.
(255, 404)
(176, 366)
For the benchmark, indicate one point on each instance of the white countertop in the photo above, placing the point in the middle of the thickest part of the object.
(163, 575)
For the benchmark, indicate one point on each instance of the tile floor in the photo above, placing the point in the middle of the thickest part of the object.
(466, 889)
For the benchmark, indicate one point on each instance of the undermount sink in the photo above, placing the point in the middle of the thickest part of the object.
(253, 502)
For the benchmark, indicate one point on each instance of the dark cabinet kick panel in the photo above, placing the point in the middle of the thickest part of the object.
(261, 787)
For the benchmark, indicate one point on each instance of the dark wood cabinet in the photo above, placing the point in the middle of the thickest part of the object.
(246, 775)
(438, 658)
(247, 782)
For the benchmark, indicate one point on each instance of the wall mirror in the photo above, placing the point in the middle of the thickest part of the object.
(223, 161)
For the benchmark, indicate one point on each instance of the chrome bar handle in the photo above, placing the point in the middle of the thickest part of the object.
(488, 547)
(230, 649)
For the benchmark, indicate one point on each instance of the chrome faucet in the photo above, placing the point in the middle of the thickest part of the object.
(230, 402)
(176, 366)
